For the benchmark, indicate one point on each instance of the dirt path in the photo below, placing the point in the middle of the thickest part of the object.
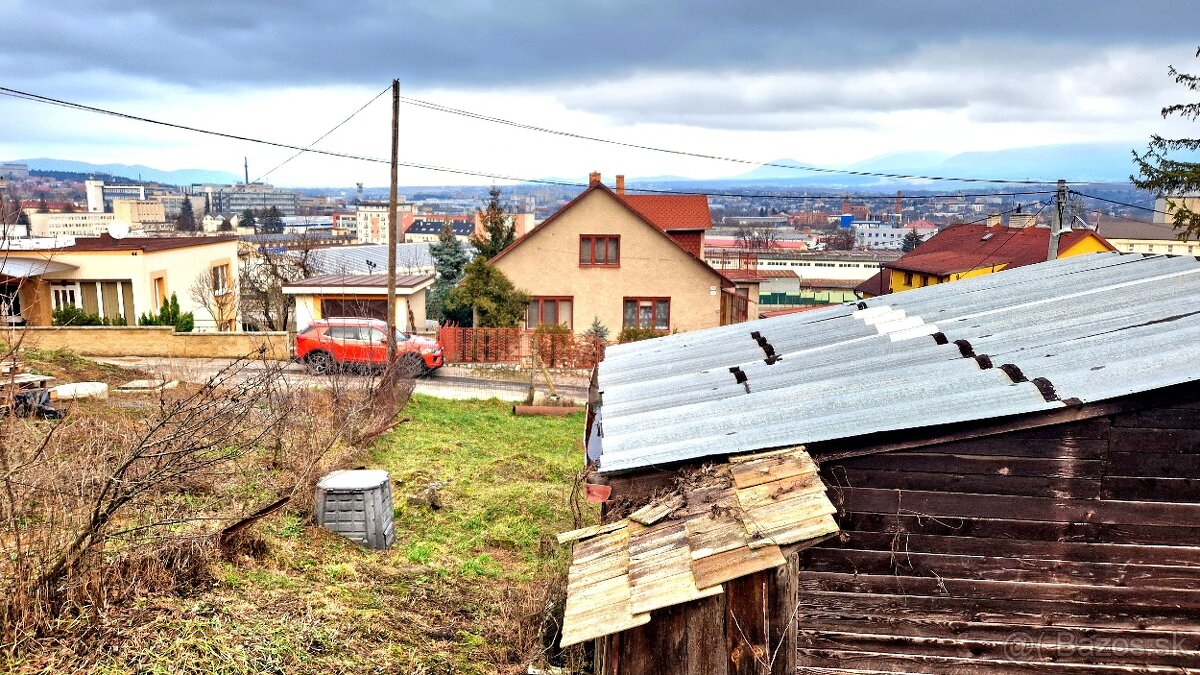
(453, 382)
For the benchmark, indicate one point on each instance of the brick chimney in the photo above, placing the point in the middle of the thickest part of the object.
(594, 178)
(620, 184)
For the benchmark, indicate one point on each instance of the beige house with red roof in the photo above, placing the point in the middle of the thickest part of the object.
(120, 279)
(631, 261)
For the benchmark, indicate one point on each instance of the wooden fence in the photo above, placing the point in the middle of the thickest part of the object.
(521, 347)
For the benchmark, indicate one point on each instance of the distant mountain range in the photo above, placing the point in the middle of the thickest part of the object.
(135, 171)
(1102, 162)
(1099, 162)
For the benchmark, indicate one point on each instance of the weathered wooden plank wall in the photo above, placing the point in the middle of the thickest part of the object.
(1066, 549)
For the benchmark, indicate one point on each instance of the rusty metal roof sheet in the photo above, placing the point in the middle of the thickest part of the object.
(725, 522)
(1087, 328)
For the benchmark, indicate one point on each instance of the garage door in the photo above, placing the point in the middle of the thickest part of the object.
(366, 309)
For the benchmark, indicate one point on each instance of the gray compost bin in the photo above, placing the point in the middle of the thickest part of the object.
(357, 505)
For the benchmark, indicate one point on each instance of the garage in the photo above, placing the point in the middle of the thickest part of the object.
(357, 307)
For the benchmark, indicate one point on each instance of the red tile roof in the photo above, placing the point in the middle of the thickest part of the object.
(880, 283)
(970, 246)
(671, 212)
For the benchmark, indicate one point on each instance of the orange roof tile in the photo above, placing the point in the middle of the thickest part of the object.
(672, 212)
(970, 246)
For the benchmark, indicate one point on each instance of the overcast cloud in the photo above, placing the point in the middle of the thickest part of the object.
(833, 83)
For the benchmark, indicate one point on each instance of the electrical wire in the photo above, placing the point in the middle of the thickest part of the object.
(37, 98)
(1015, 231)
(429, 105)
(1113, 201)
(325, 135)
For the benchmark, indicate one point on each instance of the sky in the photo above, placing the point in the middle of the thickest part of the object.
(828, 84)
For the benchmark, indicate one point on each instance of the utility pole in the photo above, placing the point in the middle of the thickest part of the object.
(392, 228)
(1056, 226)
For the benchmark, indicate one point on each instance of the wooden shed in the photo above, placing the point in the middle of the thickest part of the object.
(1011, 462)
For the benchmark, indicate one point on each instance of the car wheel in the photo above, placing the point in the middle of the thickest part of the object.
(319, 363)
(411, 365)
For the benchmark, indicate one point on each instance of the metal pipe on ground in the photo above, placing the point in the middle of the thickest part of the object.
(555, 410)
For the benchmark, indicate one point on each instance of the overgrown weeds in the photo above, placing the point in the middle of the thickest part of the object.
(107, 506)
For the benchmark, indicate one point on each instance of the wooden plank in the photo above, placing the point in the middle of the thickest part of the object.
(786, 513)
(721, 567)
(906, 562)
(1002, 590)
(585, 532)
(814, 619)
(682, 639)
(1173, 441)
(591, 627)
(1082, 552)
(766, 470)
(952, 611)
(983, 465)
(657, 540)
(928, 503)
(1056, 645)
(657, 509)
(1057, 443)
(845, 660)
(1014, 528)
(811, 530)
(759, 625)
(793, 487)
(657, 593)
(600, 546)
(708, 535)
(1165, 464)
(1175, 417)
(1151, 489)
(1032, 486)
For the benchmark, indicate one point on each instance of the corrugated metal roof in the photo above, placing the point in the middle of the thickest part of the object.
(361, 280)
(410, 258)
(1089, 327)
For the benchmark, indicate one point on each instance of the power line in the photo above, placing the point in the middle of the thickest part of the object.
(1015, 232)
(37, 98)
(325, 135)
(700, 155)
(1112, 201)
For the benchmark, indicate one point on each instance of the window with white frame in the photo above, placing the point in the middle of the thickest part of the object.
(220, 279)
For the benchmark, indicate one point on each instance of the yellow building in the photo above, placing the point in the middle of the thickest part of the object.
(360, 295)
(630, 261)
(123, 278)
(139, 212)
(971, 250)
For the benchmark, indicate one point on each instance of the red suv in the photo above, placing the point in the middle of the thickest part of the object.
(328, 343)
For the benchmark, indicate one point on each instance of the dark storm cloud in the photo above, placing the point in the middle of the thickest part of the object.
(219, 44)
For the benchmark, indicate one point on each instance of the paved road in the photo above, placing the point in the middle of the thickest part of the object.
(448, 382)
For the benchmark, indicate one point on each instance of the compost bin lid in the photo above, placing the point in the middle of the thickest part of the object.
(356, 479)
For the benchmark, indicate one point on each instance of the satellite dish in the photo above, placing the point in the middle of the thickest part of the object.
(118, 229)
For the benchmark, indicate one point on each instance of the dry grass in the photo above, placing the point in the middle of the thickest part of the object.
(473, 587)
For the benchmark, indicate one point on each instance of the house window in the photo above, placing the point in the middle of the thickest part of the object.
(595, 249)
(220, 279)
(160, 291)
(647, 313)
(65, 295)
(548, 311)
(908, 280)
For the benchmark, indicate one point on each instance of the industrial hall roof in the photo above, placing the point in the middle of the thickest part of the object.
(965, 247)
(1036, 338)
(719, 523)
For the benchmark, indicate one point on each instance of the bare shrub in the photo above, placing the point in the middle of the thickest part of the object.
(113, 503)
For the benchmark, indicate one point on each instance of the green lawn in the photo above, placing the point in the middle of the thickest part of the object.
(465, 589)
